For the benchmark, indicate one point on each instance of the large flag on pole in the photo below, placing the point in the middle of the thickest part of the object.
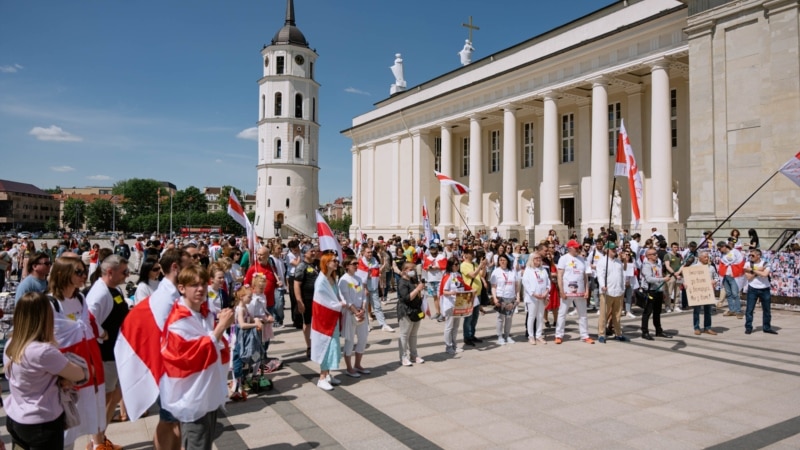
(460, 188)
(792, 169)
(327, 241)
(426, 223)
(236, 211)
(626, 167)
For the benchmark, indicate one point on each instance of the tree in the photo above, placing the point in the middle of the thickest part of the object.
(100, 215)
(51, 225)
(141, 195)
(56, 190)
(342, 224)
(74, 213)
(190, 199)
(225, 192)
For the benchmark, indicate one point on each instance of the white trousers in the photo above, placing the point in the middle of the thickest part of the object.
(583, 322)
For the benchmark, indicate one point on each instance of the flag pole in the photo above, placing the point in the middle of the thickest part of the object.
(452, 200)
(705, 239)
(610, 219)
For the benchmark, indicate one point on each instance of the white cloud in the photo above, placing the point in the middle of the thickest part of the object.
(11, 68)
(352, 90)
(62, 168)
(99, 177)
(218, 161)
(53, 133)
(248, 133)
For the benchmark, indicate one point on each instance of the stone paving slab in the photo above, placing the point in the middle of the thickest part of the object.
(724, 391)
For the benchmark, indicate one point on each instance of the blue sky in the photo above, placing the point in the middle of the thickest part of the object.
(92, 92)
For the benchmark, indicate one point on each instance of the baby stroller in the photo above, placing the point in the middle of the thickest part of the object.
(251, 355)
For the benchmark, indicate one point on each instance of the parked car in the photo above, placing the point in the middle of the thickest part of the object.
(49, 236)
(24, 234)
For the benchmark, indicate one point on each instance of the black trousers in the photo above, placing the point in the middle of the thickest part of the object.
(297, 321)
(653, 307)
(44, 436)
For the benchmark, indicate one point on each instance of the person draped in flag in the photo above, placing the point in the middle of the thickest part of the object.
(196, 357)
(325, 346)
(451, 285)
(138, 348)
(356, 327)
(369, 269)
(435, 265)
(731, 268)
(76, 334)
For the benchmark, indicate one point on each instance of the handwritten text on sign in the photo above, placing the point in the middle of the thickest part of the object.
(699, 289)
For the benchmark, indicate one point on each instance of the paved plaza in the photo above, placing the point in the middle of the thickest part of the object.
(724, 391)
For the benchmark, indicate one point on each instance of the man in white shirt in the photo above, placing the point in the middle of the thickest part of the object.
(611, 279)
(757, 273)
(573, 285)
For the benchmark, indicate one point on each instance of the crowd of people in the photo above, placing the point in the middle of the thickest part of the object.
(216, 309)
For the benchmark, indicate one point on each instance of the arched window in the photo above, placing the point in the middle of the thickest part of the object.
(298, 149)
(269, 202)
(287, 202)
(314, 109)
(263, 106)
(298, 106)
(278, 103)
(269, 181)
(279, 65)
(288, 181)
(278, 149)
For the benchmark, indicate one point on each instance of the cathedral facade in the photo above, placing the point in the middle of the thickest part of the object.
(709, 106)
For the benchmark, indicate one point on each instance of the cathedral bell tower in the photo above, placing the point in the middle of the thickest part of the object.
(287, 193)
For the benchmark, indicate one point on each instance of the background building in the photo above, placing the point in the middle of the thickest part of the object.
(23, 206)
(710, 108)
(287, 190)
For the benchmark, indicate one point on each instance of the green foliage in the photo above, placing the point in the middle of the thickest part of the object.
(100, 215)
(225, 192)
(141, 195)
(51, 225)
(74, 213)
(56, 190)
(342, 224)
(190, 199)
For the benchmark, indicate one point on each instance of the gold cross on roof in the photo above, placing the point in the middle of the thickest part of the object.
(471, 27)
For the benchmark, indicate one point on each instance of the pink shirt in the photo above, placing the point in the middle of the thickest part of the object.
(33, 384)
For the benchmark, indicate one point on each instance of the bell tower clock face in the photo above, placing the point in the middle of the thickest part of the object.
(299, 60)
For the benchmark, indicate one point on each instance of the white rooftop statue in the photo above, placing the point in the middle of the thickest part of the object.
(397, 70)
(466, 53)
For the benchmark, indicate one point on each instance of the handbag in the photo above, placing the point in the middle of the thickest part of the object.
(415, 313)
(69, 401)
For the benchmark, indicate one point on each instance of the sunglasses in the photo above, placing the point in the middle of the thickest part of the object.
(156, 269)
(353, 264)
(80, 272)
(196, 256)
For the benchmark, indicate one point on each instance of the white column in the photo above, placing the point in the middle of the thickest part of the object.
(549, 207)
(446, 197)
(369, 172)
(356, 208)
(599, 170)
(395, 174)
(510, 164)
(475, 174)
(660, 146)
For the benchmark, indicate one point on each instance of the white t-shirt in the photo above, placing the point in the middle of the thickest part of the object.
(535, 281)
(758, 282)
(505, 281)
(574, 271)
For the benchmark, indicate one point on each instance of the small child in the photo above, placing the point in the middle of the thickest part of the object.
(244, 321)
(258, 308)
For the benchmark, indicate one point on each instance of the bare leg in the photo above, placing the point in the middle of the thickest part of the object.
(358, 361)
(168, 436)
(348, 360)
(112, 398)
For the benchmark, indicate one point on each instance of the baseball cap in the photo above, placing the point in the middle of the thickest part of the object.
(610, 245)
(573, 244)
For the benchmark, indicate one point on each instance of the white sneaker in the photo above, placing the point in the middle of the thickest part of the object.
(677, 309)
(573, 312)
(406, 362)
(630, 315)
(387, 329)
(501, 341)
(333, 380)
(510, 340)
(324, 385)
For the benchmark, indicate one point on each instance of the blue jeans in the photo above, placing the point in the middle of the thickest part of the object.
(377, 309)
(238, 365)
(753, 294)
(732, 294)
(471, 322)
(278, 314)
(706, 317)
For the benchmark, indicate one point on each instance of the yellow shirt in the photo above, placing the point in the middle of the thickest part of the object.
(476, 285)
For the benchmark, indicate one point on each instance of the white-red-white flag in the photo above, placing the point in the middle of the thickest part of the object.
(138, 357)
(626, 167)
(426, 223)
(327, 241)
(195, 367)
(460, 188)
(325, 313)
(76, 335)
(792, 169)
